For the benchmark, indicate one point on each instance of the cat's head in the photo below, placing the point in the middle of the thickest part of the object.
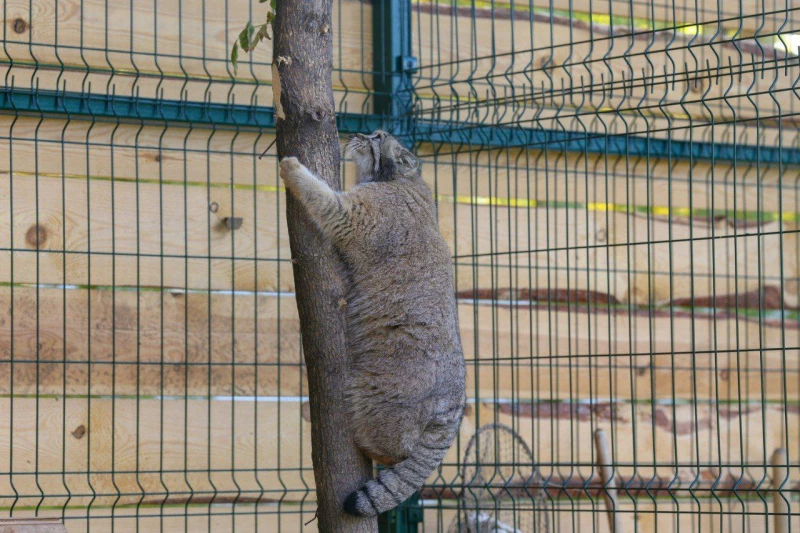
(381, 157)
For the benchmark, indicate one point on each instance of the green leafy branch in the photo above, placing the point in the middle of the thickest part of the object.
(251, 35)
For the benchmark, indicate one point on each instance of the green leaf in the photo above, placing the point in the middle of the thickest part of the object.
(246, 36)
(235, 58)
(243, 39)
(250, 31)
(273, 4)
(261, 1)
(260, 34)
(270, 17)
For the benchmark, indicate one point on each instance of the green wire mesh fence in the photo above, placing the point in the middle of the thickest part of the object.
(619, 184)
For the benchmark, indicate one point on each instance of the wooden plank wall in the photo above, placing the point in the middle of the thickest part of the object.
(151, 370)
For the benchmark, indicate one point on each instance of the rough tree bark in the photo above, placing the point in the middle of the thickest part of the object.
(306, 129)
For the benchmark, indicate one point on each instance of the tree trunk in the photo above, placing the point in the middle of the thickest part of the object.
(306, 129)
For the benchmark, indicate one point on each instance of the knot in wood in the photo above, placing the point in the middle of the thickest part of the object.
(79, 432)
(36, 236)
(20, 26)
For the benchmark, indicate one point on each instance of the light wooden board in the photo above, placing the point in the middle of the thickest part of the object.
(611, 253)
(32, 525)
(701, 259)
(53, 147)
(646, 439)
(56, 148)
(496, 248)
(597, 357)
(99, 447)
(79, 341)
(233, 447)
(117, 232)
(217, 518)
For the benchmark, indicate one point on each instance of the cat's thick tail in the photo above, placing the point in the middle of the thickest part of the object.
(395, 485)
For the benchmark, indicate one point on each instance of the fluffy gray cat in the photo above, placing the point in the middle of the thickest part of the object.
(406, 389)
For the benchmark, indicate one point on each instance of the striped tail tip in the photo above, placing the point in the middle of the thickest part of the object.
(354, 505)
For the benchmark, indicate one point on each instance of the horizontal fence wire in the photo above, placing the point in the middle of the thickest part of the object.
(617, 181)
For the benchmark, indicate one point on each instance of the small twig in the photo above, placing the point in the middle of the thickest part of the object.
(268, 147)
(315, 517)
(606, 467)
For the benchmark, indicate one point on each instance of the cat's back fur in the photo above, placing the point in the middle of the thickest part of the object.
(406, 367)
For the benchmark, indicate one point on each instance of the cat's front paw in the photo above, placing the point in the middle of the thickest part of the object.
(290, 167)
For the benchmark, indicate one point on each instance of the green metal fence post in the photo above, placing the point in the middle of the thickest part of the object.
(393, 62)
(405, 518)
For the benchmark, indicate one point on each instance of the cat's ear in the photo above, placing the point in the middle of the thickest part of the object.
(408, 160)
(403, 158)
